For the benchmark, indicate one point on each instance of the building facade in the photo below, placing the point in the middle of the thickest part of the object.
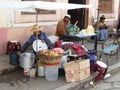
(16, 25)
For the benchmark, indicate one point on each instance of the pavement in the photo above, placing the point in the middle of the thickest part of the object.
(113, 67)
(5, 66)
(111, 83)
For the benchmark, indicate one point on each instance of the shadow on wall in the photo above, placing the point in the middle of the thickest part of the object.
(3, 40)
(20, 34)
(50, 30)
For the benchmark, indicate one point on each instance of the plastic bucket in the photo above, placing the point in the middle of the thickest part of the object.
(41, 70)
(14, 58)
(51, 72)
(92, 58)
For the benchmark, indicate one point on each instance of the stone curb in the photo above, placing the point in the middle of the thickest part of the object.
(85, 83)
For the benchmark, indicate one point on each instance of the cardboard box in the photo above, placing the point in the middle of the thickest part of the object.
(84, 66)
(72, 71)
(76, 71)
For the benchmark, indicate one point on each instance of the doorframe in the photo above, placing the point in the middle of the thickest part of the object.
(85, 16)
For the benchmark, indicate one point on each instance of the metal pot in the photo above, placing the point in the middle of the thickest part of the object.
(27, 60)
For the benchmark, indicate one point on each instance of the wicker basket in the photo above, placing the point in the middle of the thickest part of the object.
(44, 59)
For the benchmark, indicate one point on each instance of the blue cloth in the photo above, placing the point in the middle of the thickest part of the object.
(110, 48)
(103, 34)
(32, 38)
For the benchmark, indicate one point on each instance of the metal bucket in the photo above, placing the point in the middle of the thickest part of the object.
(27, 60)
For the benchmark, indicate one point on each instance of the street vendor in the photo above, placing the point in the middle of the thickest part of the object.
(37, 33)
(62, 25)
(102, 29)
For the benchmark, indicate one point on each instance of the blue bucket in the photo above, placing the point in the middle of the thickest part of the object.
(14, 58)
(92, 56)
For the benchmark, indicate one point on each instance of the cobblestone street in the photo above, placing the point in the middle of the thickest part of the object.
(110, 83)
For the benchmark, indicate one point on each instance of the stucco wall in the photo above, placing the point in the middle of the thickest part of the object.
(17, 27)
(4, 15)
(21, 34)
(3, 40)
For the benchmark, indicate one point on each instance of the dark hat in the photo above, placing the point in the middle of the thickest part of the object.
(102, 17)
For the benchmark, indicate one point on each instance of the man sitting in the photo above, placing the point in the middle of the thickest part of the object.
(62, 25)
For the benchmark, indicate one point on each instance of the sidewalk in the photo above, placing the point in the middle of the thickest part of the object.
(114, 66)
(5, 67)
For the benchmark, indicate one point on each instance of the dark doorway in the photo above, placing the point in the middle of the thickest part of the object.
(78, 14)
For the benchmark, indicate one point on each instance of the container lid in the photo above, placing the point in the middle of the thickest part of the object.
(27, 55)
(39, 45)
(102, 64)
(14, 41)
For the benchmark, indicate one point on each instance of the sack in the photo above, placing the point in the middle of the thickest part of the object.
(53, 39)
(58, 44)
(80, 51)
(71, 29)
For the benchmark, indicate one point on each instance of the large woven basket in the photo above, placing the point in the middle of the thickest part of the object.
(49, 56)
(44, 59)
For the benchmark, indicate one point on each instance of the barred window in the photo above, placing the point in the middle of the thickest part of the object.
(106, 6)
(40, 11)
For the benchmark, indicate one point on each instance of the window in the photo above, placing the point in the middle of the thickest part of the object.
(40, 11)
(106, 6)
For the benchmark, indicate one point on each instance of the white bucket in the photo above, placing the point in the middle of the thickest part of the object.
(41, 70)
(63, 60)
(51, 72)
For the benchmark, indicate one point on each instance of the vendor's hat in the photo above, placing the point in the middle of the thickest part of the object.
(36, 27)
(67, 15)
(102, 17)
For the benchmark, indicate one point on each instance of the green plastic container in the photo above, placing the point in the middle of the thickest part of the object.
(14, 58)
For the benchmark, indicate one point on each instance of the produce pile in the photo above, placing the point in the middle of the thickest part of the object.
(50, 56)
(88, 31)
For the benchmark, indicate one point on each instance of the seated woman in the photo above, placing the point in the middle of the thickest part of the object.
(37, 33)
(102, 29)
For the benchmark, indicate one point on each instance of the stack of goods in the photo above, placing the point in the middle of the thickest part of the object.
(48, 62)
(75, 49)
(50, 56)
(88, 31)
(73, 29)
(77, 70)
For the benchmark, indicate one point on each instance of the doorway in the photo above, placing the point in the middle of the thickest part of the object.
(78, 14)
